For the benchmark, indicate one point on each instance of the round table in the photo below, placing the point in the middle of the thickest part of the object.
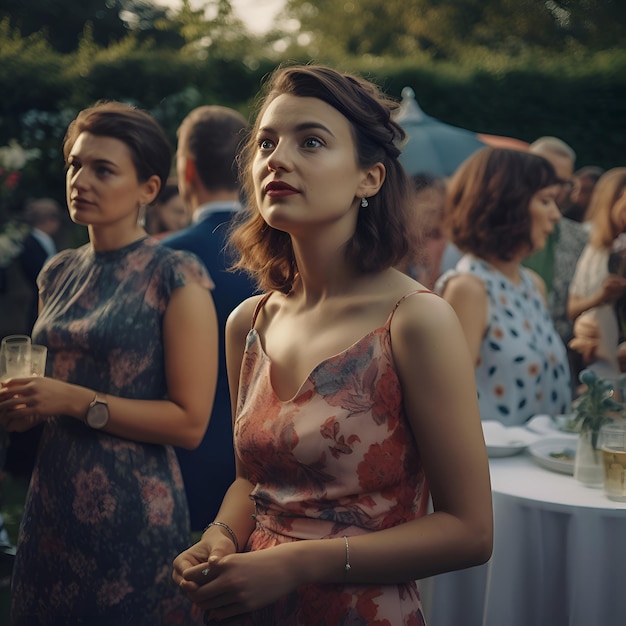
(559, 556)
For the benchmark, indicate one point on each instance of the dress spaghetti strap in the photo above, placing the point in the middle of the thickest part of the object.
(402, 299)
(259, 306)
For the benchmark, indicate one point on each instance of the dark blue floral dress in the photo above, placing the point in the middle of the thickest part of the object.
(105, 516)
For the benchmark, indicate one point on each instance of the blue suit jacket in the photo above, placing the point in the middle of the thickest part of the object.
(209, 470)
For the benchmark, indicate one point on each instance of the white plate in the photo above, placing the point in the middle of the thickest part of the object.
(505, 440)
(543, 452)
(552, 425)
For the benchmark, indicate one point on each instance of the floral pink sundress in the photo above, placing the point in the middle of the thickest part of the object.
(337, 459)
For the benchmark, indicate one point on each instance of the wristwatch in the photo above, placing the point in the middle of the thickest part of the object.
(97, 415)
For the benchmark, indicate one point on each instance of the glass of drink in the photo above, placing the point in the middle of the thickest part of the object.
(16, 358)
(38, 355)
(612, 443)
(13, 339)
(13, 355)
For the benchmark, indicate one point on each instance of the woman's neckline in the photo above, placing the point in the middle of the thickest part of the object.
(517, 283)
(321, 363)
(109, 255)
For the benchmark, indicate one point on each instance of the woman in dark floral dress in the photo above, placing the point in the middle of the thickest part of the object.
(131, 335)
(352, 385)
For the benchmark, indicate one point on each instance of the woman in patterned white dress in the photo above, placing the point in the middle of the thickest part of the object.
(598, 286)
(353, 391)
(501, 208)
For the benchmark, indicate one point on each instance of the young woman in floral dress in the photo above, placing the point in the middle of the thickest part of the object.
(353, 391)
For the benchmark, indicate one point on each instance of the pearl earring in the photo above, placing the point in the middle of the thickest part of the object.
(364, 203)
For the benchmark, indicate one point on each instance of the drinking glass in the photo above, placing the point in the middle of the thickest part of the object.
(612, 443)
(16, 360)
(12, 357)
(14, 339)
(38, 355)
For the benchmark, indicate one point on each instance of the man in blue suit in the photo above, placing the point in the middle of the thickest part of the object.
(208, 143)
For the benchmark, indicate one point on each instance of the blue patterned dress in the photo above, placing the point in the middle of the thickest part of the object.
(522, 368)
(105, 516)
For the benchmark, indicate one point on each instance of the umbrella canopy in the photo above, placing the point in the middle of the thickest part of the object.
(432, 146)
(499, 141)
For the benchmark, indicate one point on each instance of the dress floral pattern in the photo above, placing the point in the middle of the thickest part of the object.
(105, 516)
(522, 368)
(345, 446)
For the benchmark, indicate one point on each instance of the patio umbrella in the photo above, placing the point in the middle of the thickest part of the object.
(433, 146)
(500, 141)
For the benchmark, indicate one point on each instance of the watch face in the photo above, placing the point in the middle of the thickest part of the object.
(98, 415)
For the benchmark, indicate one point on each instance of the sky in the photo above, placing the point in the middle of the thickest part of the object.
(257, 15)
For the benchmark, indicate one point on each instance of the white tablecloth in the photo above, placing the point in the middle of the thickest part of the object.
(559, 557)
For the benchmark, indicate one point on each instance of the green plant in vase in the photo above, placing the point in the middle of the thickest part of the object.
(593, 408)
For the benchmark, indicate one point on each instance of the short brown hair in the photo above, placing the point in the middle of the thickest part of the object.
(381, 237)
(211, 135)
(150, 150)
(487, 207)
(608, 189)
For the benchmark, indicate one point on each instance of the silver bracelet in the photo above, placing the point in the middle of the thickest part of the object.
(347, 567)
(230, 531)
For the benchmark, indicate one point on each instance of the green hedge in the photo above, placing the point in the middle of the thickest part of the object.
(579, 99)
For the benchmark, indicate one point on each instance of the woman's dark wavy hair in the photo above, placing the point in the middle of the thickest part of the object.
(150, 150)
(487, 207)
(381, 237)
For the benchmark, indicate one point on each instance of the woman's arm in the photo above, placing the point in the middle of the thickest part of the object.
(190, 347)
(613, 287)
(438, 387)
(468, 297)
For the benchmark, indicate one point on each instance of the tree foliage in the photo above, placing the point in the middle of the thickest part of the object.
(62, 24)
(447, 28)
(493, 67)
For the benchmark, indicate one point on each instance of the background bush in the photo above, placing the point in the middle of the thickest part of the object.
(577, 99)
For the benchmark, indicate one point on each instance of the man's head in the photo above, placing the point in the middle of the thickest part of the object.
(45, 214)
(562, 158)
(206, 158)
(585, 180)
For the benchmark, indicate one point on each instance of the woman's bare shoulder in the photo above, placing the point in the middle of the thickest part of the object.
(240, 319)
(423, 312)
(463, 285)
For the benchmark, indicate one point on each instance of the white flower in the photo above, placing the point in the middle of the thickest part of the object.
(11, 240)
(14, 157)
(9, 249)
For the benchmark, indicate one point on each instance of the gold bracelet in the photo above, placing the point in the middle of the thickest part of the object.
(230, 531)
(347, 567)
